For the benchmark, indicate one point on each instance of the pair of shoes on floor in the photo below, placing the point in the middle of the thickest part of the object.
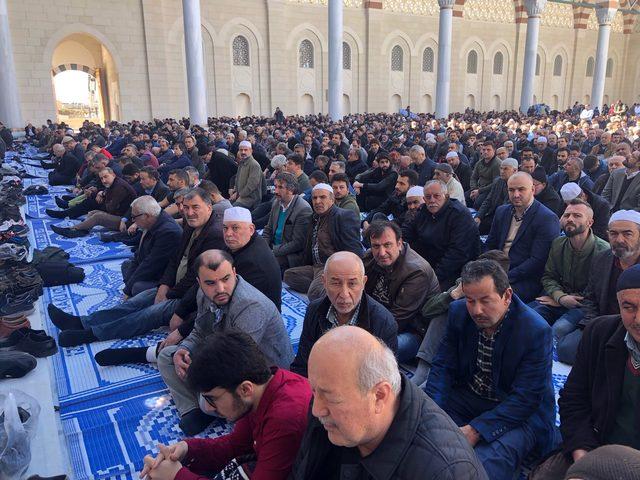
(8, 325)
(57, 213)
(69, 232)
(34, 342)
(13, 304)
(16, 364)
(13, 252)
(72, 331)
(36, 190)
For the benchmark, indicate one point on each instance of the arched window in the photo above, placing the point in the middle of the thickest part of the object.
(591, 65)
(305, 54)
(609, 68)
(240, 51)
(472, 62)
(346, 56)
(498, 60)
(557, 66)
(397, 59)
(427, 60)
(537, 65)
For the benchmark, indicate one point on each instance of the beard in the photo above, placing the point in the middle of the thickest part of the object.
(575, 230)
(622, 251)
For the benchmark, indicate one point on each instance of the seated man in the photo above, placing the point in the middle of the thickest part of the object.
(443, 233)
(286, 230)
(178, 160)
(492, 374)
(177, 179)
(268, 407)
(225, 302)
(111, 204)
(375, 186)
(294, 166)
(498, 195)
(250, 184)
(567, 269)
(400, 279)
(65, 167)
(369, 421)
(571, 173)
(444, 173)
(396, 203)
(599, 206)
(599, 401)
(545, 193)
(160, 240)
(606, 267)
(332, 230)
(524, 230)
(345, 303)
(343, 199)
(155, 307)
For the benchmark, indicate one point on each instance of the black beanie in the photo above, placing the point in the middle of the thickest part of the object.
(539, 174)
(611, 462)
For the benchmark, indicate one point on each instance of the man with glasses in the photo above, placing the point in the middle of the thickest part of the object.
(622, 190)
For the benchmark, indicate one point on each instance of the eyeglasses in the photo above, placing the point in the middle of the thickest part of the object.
(133, 217)
(210, 400)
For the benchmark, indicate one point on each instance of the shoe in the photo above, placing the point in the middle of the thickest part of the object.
(12, 304)
(35, 190)
(63, 204)
(16, 364)
(8, 325)
(194, 422)
(11, 251)
(55, 477)
(73, 338)
(63, 320)
(56, 213)
(34, 342)
(69, 232)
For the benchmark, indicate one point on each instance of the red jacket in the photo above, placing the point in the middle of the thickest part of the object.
(273, 432)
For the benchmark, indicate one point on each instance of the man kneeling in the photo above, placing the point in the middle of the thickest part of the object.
(269, 407)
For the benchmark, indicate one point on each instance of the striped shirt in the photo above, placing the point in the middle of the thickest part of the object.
(482, 381)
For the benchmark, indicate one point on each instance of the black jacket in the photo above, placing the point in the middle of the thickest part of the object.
(210, 238)
(395, 205)
(68, 166)
(154, 251)
(372, 316)
(354, 168)
(425, 170)
(597, 294)
(221, 171)
(447, 240)
(376, 187)
(463, 172)
(345, 233)
(550, 199)
(421, 443)
(591, 395)
(498, 195)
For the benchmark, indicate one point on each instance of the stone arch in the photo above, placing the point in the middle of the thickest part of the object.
(232, 28)
(473, 83)
(426, 103)
(244, 79)
(346, 104)
(395, 103)
(395, 37)
(308, 81)
(470, 101)
(306, 105)
(242, 105)
(298, 33)
(398, 81)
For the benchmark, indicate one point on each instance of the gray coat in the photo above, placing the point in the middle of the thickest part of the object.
(249, 180)
(294, 233)
(249, 311)
(631, 198)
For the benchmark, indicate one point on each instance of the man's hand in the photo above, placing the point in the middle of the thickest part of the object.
(123, 226)
(365, 225)
(578, 454)
(477, 220)
(571, 301)
(472, 435)
(547, 300)
(181, 361)
(166, 465)
(457, 292)
(474, 193)
(100, 197)
(357, 185)
(132, 229)
(172, 339)
(175, 322)
(161, 295)
(233, 197)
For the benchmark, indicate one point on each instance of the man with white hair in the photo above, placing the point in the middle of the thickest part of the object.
(250, 184)
(369, 421)
(498, 195)
(332, 229)
(421, 164)
(599, 206)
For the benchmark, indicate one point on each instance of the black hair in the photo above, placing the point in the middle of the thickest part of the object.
(225, 360)
(475, 271)
(152, 172)
(340, 177)
(198, 192)
(497, 256)
(130, 169)
(209, 187)
(377, 228)
(223, 255)
(289, 180)
(412, 175)
(295, 158)
(181, 174)
(590, 161)
(319, 176)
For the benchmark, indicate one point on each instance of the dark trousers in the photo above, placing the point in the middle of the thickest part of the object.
(127, 270)
(83, 208)
(57, 178)
(501, 457)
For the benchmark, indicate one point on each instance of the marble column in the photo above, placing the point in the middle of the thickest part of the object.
(196, 84)
(443, 79)
(335, 59)
(10, 112)
(605, 17)
(534, 10)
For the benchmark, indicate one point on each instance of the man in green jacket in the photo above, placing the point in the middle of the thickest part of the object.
(484, 172)
(249, 179)
(567, 269)
(340, 185)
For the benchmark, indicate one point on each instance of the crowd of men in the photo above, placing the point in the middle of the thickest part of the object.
(464, 250)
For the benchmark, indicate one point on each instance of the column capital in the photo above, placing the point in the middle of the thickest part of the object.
(605, 14)
(446, 3)
(535, 7)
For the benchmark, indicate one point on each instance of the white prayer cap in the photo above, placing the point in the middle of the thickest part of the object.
(245, 144)
(415, 192)
(323, 186)
(509, 162)
(237, 214)
(452, 154)
(625, 215)
(542, 139)
(569, 191)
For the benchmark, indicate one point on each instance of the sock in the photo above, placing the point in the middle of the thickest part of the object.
(422, 372)
(152, 354)
(64, 320)
(120, 356)
(73, 338)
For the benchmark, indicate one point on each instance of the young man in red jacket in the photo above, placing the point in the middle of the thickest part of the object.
(269, 407)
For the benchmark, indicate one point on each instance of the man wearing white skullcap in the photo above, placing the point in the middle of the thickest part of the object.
(250, 183)
(415, 199)
(498, 195)
(599, 205)
(332, 229)
(606, 267)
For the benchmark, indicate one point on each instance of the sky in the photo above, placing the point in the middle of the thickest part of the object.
(72, 87)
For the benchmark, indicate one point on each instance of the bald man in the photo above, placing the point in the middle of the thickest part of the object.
(369, 421)
(344, 303)
(523, 229)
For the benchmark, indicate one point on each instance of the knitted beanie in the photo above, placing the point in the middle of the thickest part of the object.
(611, 462)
